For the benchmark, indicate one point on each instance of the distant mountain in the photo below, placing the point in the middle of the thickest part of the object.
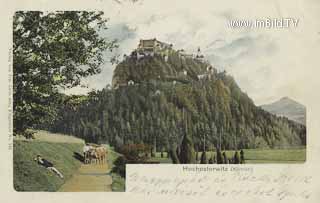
(288, 108)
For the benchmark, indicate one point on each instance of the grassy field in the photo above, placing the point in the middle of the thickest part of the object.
(29, 176)
(275, 155)
(118, 182)
(252, 156)
(158, 158)
(58, 149)
(45, 136)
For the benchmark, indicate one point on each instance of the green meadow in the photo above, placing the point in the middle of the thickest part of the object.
(255, 156)
(29, 176)
(60, 150)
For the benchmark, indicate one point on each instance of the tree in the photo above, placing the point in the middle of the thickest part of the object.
(219, 156)
(161, 153)
(173, 155)
(225, 158)
(187, 153)
(203, 158)
(236, 158)
(52, 51)
(197, 156)
(211, 161)
(120, 166)
(242, 160)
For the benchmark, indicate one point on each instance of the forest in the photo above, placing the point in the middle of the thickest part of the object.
(160, 111)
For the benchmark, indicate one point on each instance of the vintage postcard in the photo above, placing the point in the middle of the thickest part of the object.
(174, 99)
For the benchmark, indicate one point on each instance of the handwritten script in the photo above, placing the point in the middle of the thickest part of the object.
(219, 181)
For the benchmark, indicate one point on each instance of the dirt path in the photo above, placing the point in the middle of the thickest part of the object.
(89, 178)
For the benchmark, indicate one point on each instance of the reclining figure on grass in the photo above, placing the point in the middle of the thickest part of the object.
(48, 165)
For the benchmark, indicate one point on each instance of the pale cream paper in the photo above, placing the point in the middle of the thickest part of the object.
(306, 88)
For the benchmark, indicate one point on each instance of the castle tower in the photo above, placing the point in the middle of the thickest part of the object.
(199, 52)
(199, 55)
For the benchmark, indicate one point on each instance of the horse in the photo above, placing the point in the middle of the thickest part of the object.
(101, 153)
(87, 153)
(97, 155)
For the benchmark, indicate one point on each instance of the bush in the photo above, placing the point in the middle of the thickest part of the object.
(203, 158)
(135, 153)
(211, 161)
(236, 158)
(242, 157)
(225, 158)
(178, 151)
(187, 153)
(120, 166)
(152, 152)
(173, 155)
(197, 156)
(219, 157)
(214, 159)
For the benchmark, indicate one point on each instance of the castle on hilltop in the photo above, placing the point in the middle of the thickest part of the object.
(152, 47)
(149, 48)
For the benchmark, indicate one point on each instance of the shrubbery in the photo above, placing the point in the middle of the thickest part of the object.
(211, 161)
(135, 152)
(173, 155)
(225, 158)
(187, 153)
(203, 158)
(197, 156)
(219, 157)
(120, 166)
(242, 161)
(132, 153)
(236, 158)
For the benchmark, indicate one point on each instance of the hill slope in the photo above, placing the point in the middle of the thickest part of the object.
(288, 108)
(29, 176)
(156, 68)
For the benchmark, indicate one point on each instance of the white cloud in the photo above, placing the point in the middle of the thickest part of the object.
(267, 64)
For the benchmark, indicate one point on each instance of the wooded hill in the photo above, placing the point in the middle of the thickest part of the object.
(163, 103)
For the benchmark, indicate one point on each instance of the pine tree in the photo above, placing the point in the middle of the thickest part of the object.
(161, 153)
(242, 157)
(178, 151)
(225, 158)
(219, 156)
(211, 160)
(197, 156)
(173, 155)
(187, 153)
(203, 158)
(236, 158)
(214, 159)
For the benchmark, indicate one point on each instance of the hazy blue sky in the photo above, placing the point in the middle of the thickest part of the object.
(266, 63)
